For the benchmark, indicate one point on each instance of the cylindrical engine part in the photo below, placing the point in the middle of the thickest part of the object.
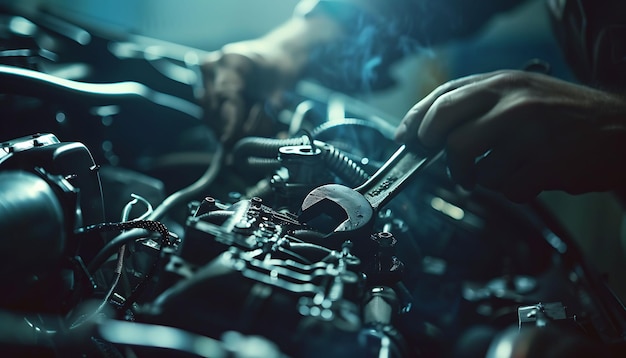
(303, 162)
(380, 306)
(32, 235)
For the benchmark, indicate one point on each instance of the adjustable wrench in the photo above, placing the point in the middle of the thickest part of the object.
(357, 207)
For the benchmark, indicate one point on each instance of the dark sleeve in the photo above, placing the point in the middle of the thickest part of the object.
(361, 61)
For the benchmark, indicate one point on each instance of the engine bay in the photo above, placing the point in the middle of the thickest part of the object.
(129, 231)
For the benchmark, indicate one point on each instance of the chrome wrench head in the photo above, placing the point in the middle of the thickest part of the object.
(355, 208)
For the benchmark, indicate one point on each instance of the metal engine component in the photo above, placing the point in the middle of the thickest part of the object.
(49, 189)
(312, 291)
(32, 224)
(70, 160)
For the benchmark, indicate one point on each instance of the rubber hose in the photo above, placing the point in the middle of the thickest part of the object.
(263, 147)
(344, 167)
(263, 165)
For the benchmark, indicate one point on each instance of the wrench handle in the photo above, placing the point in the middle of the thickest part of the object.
(391, 178)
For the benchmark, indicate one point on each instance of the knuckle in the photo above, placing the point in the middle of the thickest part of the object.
(412, 114)
(449, 86)
(443, 103)
(445, 87)
(511, 78)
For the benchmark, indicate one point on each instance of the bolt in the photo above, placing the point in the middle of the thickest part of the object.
(243, 225)
(256, 202)
(385, 239)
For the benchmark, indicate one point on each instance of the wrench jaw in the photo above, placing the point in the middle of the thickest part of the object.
(347, 210)
(343, 212)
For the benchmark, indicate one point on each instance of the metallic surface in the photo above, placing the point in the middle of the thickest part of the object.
(355, 208)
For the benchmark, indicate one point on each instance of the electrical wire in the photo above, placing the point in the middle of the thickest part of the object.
(150, 225)
(112, 246)
(145, 224)
(119, 267)
(159, 212)
(136, 199)
(136, 229)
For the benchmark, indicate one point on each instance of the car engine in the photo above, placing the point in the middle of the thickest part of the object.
(128, 231)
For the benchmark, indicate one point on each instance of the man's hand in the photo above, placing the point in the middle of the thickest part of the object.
(520, 133)
(237, 81)
(242, 76)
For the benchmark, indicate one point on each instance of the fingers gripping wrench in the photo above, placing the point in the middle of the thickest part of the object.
(357, 207)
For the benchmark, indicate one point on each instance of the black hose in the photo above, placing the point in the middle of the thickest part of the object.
(139, 227)
(192, 191)
(112, 246)
(263, 165)
(15, 80)
(260, 155)
(344, 167)
(263, 147)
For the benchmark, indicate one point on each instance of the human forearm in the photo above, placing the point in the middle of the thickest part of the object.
(286, 49)
(294, 40)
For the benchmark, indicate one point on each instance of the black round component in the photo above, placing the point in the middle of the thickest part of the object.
(32, 235)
